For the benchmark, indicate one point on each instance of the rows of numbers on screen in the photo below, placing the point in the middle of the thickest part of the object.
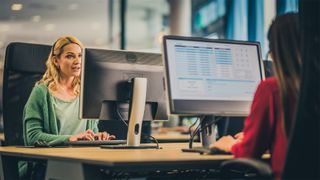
(206, 69)
(210, 62)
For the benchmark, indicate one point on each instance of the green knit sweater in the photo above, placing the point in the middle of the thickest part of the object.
(40, 120)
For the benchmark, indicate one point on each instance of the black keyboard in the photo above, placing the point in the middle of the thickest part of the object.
(95, 143)
(203, 150)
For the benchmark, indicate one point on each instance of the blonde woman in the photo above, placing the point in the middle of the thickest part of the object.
(51, 113)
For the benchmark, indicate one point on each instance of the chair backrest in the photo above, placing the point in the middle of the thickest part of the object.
(24, 65)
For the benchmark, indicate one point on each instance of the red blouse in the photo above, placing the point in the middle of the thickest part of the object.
(263, 128)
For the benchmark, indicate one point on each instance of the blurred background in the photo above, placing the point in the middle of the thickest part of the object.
(135, 24)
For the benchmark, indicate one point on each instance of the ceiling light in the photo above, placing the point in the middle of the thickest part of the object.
(16, 7)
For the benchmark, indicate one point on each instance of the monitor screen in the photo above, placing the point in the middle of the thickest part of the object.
(206, 76)
(106, 84)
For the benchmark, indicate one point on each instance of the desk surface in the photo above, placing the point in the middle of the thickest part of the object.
(171, 154)
(172, 136)
(70, 162)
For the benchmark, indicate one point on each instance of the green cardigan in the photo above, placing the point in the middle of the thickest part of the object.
(40, 121)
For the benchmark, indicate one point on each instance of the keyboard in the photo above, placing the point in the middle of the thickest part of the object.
(95, 143)
(202, 150)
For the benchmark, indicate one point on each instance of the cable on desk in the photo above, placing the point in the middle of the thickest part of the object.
(199, 129)
(142, 134)
(212, 122)
(153, 138)
(190, 128)
(192, 135)
(121, 118)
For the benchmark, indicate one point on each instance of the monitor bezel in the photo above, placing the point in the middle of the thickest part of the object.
(203, 110)
(82, 81)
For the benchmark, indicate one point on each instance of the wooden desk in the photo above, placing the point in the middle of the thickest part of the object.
(171, 137)
(79, 163)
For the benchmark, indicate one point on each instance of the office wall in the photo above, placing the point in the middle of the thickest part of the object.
(95, 22)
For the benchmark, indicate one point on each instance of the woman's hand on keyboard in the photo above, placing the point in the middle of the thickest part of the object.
(103, 136)
(224, 143)
(239, 136)
(87, 135)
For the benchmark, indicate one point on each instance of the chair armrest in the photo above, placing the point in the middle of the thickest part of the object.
(245, 168)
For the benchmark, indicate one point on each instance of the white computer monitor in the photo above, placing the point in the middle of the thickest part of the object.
(211, 77)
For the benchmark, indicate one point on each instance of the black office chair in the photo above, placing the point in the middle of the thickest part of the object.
(244, 168)
(24, 65)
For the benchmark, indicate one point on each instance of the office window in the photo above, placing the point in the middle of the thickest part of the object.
(146, 22)
(285, 6)
(208, 18)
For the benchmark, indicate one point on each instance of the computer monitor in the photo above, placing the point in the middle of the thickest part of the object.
(107, 85)
(211, 77)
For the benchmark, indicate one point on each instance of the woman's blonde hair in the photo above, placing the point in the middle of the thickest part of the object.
(52, 74)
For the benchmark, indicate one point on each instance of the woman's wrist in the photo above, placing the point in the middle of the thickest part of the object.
(72, 138)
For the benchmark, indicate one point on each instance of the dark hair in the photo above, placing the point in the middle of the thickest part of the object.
(284, 44)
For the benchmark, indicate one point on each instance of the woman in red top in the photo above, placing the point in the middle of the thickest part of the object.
(272, 111)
